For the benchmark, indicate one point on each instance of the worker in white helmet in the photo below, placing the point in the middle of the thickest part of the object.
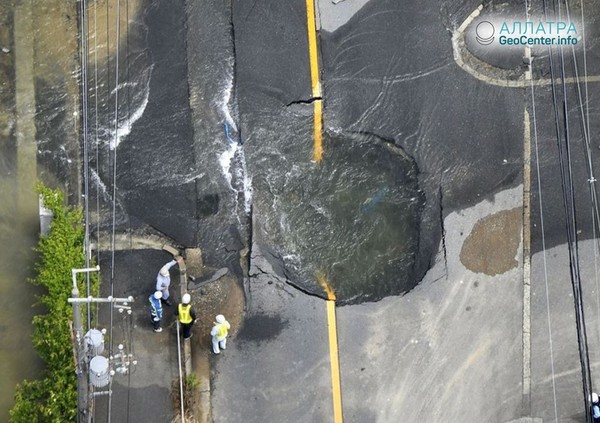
(163, 280)
(219, 333)
(186, 315)
(595, 407)
(156, 311)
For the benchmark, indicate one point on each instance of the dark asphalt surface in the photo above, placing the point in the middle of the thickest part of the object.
(155, 157)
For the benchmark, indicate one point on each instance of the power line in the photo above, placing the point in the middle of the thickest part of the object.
(130, 326)
(585, 127)
(84, 54)
(542, 230)
(568, 194)
(114, 197)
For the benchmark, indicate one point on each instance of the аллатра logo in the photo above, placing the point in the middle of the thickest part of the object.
(485, 33)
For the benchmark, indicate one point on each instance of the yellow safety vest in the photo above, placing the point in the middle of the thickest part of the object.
(221, 330)
(184, 313)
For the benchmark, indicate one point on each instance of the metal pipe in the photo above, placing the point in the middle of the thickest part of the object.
(100, 300)
(100, 393)
(84, 270)
(180, 375)
(82, 383)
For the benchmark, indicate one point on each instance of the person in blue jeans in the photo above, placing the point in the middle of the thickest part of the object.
(156, 311)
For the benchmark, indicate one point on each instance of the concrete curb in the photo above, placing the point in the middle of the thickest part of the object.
(202, 395)
(203, 404)
(526, 266)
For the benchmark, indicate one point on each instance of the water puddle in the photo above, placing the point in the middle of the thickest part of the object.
(354, 223)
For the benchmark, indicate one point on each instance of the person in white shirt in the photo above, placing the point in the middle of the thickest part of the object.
(219, 333)
(163, 280)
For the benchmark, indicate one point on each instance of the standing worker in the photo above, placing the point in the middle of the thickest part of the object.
(163, 280)
(219, 333)
(156, 310)
(595, 407)
(186, 315)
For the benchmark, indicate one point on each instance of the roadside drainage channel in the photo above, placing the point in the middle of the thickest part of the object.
(200, 410)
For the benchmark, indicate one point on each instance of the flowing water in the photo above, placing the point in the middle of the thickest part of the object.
(18, 229)
(18, 214)
(38, 104)
(18, 234)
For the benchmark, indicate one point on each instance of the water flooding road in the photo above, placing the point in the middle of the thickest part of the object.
(36, 121)
(18, 211)
(18, 235)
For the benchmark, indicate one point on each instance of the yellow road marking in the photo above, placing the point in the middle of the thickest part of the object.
(318, 131)
(335, 365)
(325, 285)
(312, 48)
(315, 81)
(336, 388)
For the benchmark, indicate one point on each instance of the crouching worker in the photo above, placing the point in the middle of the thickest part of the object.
(186, 315)
(156, 311)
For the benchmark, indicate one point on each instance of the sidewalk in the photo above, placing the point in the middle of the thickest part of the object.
(149, 393)
(145, 394)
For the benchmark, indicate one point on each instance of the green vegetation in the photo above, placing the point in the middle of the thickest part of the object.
(53, 399)
(190, 384)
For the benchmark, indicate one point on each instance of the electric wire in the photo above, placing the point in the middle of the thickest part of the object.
(584, 117)
(574, 247)
(131, 365)
(570, 213)
(96, 138)
(544, 255)
(114, 181)
(96, 142)
(543, 236)
(180, 372)
(97, 158)
(127, 67)
(84, 54)
(585, 120)
(82, 83)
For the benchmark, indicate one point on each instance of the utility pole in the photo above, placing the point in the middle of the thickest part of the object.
(82, 351)
(82, 380)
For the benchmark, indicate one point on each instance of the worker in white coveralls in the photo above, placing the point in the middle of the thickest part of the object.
(163, 280)
(219, 333)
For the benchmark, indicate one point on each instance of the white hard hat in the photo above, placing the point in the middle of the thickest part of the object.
(220, 318)
(164, 272)
(594, 397)
(158, 295)
(186, 298)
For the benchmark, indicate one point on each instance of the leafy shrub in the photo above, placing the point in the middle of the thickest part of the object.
(53, 399)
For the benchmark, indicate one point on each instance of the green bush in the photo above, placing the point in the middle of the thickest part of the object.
(54, 397)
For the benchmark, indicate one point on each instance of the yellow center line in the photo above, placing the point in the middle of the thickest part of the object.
(318, 131)
(336, 388)
(335, 365)
(315, 81)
